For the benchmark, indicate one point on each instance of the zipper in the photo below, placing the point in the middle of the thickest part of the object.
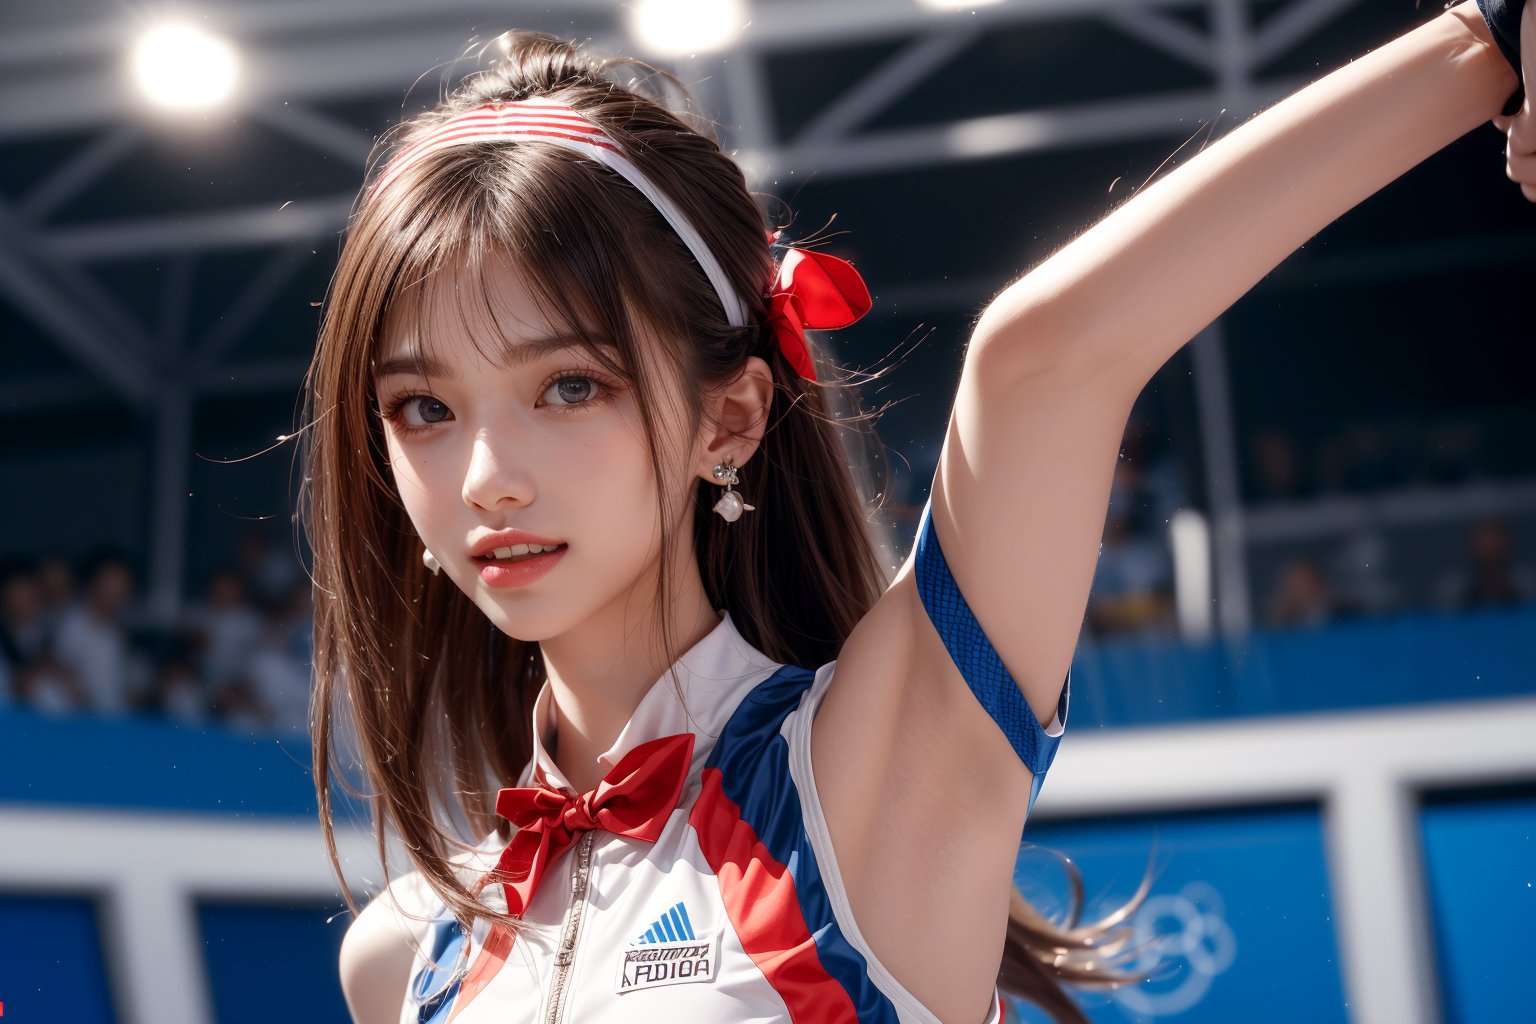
(567, 949)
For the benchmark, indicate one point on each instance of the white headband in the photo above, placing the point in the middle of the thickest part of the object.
(565, 126)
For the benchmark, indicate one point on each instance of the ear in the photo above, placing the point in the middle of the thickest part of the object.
(735, 417)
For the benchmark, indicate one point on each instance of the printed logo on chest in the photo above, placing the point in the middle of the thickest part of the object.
(669, 953)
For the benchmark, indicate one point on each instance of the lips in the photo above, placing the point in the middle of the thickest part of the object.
(521, 571)
(487, 543)
(518, 558)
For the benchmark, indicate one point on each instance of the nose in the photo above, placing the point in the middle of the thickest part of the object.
(493, 478)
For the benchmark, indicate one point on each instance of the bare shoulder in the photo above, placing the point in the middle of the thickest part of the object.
(379, 947)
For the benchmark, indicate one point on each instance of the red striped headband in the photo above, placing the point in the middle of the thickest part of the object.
(809, 290)
(565, 126)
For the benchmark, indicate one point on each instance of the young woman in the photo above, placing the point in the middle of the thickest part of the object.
(595, 590)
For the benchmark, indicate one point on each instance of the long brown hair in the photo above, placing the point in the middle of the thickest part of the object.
(437, 697)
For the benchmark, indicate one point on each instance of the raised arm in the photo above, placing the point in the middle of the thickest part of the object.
(923, 792)
(1128, 293)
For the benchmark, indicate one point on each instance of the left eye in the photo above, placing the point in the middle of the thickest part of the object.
(572, 390)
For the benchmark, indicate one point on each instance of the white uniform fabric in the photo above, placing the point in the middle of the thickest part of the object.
(736, 913)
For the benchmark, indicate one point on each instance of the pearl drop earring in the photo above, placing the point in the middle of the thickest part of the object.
(731, 505)
(429, 560)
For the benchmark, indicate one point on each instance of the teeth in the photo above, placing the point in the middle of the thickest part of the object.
(522, 549)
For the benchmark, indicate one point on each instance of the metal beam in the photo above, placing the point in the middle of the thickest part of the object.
(1001, 135)
(168, 518)
(1172, 37)
(176, 308)
(40, 392)
(1218, 449)
(329, 135)
(1292, 25)
(90, 38)
(253, 377)
(227, 229)
(895, 76)
(299, 52)
(1283, 522)
(750, 134)
(874, 153)
(38, 286)
(258, 294)
(79, 172)
(377, 61)
(1234, 58)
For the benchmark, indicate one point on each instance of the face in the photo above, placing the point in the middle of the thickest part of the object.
(543, 439)
(112, 587)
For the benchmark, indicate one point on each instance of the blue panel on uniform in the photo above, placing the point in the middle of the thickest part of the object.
(1240, 898)
(1480, 863)
(270, 962)
(753, 759)
(51, 962)
(984, 671)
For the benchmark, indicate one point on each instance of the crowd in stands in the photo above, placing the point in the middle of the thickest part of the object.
(74, 637)
(1132, 591)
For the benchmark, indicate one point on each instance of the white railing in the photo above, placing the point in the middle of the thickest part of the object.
(1366, 769)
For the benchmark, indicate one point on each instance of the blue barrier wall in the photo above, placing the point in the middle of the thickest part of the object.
(51, 963)
(1239, 891)
(1480, 863)
(1402, 659)
(1235, 896)
(273, 963)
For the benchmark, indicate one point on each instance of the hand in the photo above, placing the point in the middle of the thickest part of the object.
(1520, 127)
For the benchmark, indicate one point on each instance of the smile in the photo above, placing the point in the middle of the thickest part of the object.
(518, 570)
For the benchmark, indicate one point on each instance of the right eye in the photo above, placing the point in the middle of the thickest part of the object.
(394, 412)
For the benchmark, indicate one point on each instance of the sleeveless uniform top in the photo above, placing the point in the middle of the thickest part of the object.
(737, 912)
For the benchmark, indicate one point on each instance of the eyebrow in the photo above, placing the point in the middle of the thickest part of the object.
(526, 352)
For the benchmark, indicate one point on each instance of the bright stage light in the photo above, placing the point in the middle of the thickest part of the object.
(184, 68)
(672, 28)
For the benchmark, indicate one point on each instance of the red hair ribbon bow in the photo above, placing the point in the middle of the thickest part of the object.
(634, 799)
(817, 291)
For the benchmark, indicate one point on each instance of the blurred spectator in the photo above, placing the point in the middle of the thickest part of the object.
(29, 674)
(1490, 576)
(228, 626)
(280, 665)
(1276, 467)
(180, 694)
(56, 587)
(1132, 588)
(23, 629)
(1362, 573)
(1302, 597)
(237, 705)
(91, 640)
(268, 572)
(1158, 479)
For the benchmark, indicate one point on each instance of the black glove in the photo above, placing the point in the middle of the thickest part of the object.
(1503, 18)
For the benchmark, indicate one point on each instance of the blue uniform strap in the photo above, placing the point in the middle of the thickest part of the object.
(984, 672)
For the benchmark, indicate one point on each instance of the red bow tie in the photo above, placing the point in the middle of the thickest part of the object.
(634, 799)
